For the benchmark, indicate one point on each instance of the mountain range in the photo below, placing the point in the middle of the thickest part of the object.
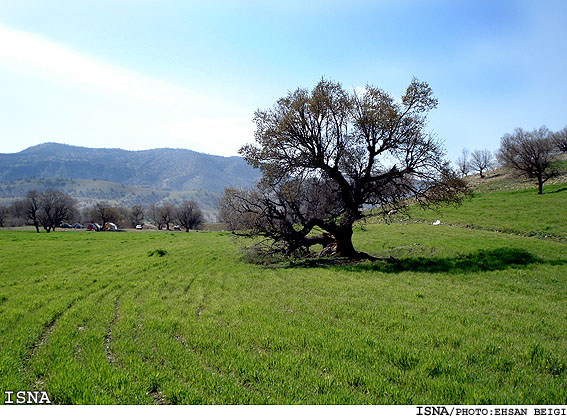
(162, 175)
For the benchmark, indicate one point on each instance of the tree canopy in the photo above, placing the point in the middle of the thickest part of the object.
(327, 154)
(529, 153)
(189, 215)
(54, 208)
(559, 139)
(481, 160)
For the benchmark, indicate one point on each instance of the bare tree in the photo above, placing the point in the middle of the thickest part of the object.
(350, 149)
(85, 216)
(18, 213)
(154, 216)
(4, 213)
(123, 214)
(136, 215)
(189, 215)
(559, 139)
(529, 153)
(481, 160)
(31, 208)
(54, 208)
(283, 213)
(166, 214)
(463, 165)
(103, 213)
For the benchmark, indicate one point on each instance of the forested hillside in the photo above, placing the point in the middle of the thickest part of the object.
(123, 177)
(163, 168)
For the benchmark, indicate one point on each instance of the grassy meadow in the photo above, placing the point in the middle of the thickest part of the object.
(516, 211)
(461, 316)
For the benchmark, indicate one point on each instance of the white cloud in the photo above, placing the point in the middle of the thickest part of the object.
(183, 118)
(22, 51)
(223, 134)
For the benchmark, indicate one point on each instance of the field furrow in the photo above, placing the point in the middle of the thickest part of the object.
(447, 315)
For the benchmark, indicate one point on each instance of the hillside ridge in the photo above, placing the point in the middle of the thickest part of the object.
(170, 169)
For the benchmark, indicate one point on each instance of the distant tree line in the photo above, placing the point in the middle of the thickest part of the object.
(53, 209)
(47, 210)
(187, 215)
(530, 154)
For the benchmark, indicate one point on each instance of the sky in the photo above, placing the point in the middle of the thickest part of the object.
(141, 74)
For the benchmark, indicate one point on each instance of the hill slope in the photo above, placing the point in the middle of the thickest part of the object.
(122, 177)
(162, 168)
(506, 203)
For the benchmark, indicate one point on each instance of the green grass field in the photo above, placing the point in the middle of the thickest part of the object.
(518, 211)
(464, 316)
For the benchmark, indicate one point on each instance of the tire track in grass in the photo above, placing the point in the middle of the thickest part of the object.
(44, 335)
(199, 357)
(202, 305)
(81, 328)
(157, 396)
(155, 392)
(186, 289)
(212, 370)
(108, 336)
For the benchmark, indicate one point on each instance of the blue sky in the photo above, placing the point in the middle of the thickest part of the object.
(139, 74)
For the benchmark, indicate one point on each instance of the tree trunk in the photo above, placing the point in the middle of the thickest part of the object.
(344, 243)
(539, 185)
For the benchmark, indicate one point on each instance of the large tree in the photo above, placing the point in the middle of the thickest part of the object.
(31, 208)
(326, 154)
(136, 215)
(189, 215)
(4, 212)
(463, 163)
(481, 160)
(54, 207)
(559, 139)
(154, 216)
(103, 213)
(529, 153)
(166, 215)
